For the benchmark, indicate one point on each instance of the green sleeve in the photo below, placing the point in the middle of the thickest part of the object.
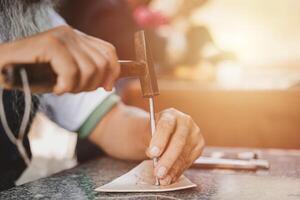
(95, 117)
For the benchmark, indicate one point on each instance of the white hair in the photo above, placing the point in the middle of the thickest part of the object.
(22, 18)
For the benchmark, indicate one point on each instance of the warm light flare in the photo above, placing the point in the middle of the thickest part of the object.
(259, 32)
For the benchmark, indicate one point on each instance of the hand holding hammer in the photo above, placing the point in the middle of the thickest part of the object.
(63, 54)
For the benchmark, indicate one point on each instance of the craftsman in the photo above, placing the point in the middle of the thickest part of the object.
(31, 31)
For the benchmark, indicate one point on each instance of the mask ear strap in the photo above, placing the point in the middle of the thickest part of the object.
(26, 117)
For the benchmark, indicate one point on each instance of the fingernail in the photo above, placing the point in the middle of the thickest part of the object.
(154, 151)
(166, 181)
(161, 172)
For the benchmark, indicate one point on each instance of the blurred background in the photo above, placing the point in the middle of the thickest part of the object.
(233, 65)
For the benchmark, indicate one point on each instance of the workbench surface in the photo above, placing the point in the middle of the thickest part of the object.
(282, 181)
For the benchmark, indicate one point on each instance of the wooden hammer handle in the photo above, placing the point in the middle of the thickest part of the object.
(131, 68)
(42, 78)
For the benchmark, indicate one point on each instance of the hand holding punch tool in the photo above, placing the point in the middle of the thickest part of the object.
(42, 78)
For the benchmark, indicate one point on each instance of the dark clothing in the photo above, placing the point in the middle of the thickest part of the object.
(11, 162)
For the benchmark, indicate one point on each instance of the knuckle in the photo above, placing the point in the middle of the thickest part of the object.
(52, 41)
(55, 42)
(172, 110)
(168, 116)
(187, 122)
(188, 118)
(65, 30)
(185, 116)
(109, 46)
(195, 131)
(112, 49)
(62, 34)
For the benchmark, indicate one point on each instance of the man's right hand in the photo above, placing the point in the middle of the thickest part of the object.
(81, 62)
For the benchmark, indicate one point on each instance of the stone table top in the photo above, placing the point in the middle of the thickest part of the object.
(281, 181)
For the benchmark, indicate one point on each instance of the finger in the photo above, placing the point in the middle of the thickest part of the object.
(184, 160)
(174, 149)
(109, 52)
(190, 154)
(87, 66)
(166, 181)
(164, 130)
(109, 81)
(66, 68)
(178, 171)
(178, 167)
(114, 67)
(182, 163)
(100, 61)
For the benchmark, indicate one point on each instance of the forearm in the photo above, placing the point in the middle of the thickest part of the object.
(123, 133)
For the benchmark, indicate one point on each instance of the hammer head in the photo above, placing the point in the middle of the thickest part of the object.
(143, 55)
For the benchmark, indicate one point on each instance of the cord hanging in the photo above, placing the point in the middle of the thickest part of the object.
(18, 141)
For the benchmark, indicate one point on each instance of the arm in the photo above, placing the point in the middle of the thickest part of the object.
(81, 62)
(125, 133)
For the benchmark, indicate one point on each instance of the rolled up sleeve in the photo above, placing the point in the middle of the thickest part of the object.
(78, 112)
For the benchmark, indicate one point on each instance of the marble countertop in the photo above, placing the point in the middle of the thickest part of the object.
(281, 181)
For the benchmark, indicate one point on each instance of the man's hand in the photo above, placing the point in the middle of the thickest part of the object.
(81, 62)
(177, 142)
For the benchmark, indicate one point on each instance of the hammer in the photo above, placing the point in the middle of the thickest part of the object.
(42, 78)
